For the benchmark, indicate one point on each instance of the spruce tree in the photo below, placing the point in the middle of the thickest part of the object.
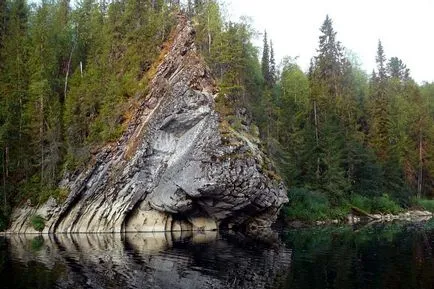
(3, 20)
(379, 106)
(329, 61)
(273, 72)
(14, 74)
(397, 69)
(329, 116)
(265, 63)
(380, 59)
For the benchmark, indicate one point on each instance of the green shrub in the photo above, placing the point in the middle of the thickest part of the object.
(382, 204)
(59, 194)
(423, 203)
(38, 223)
(37, 194)
(385, 204)
(306, 205)
(361, 202)
(234, 122)
(339, 212)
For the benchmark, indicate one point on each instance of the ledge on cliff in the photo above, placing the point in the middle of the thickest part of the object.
(174, 168)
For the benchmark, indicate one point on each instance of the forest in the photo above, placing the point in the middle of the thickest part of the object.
(70, 74)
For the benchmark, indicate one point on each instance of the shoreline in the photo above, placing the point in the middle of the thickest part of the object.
(352, 219)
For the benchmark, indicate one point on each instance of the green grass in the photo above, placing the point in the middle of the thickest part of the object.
(383, 204)
(307, 205)
(361, 202)
(424, 204)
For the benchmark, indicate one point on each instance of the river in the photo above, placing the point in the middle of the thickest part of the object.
(394, 255)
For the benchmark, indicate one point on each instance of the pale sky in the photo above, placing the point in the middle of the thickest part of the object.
(405, 27)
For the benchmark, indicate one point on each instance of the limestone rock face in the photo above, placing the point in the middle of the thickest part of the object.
(173, 169)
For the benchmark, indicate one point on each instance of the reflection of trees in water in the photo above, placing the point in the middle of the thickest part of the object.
(37, 243)
(3, 254)
(29, 271)
(150, 261)
(381, 256)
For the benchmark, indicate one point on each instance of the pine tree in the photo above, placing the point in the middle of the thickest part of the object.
(397, 69)
(327, 76)
(3, 20)
(190, 10)
(379, 106)
(292, 119)
(426, 142)
(380, 59)
(265, 63)
(273, 71)
(13, 97)
(329, 61)
(49, 64)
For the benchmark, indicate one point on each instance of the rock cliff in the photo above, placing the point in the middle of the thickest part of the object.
(175, 168)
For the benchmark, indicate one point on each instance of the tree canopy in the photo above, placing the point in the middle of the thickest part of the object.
(69, 77)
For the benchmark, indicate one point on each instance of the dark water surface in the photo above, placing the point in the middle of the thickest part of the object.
(395, 255)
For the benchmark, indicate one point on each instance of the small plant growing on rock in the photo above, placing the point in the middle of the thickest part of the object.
(38, 223)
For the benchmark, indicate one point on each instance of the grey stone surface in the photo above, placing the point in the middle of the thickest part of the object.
(171, 161)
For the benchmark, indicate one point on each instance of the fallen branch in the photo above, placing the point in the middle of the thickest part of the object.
(361, 213)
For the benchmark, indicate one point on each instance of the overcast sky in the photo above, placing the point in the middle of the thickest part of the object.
(405, 28)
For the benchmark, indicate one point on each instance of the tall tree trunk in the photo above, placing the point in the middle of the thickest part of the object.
(5, 200)
(209, 33)
(41, 136)
(20, 135)
(419, 179)
(316, 137)
(163, 35)
(268, 129)
(20, 100)
(67, 72)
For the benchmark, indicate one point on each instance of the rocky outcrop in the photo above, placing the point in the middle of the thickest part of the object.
(173, 169)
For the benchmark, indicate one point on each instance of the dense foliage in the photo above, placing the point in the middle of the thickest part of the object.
(336, 134)
(70, 78)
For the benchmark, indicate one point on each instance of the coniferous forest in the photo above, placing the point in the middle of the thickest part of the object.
(70, 75)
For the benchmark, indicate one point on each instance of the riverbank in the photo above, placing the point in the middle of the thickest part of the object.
(319, 208)
(355, 218)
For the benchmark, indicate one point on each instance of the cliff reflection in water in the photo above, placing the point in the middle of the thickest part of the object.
(146, 260)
